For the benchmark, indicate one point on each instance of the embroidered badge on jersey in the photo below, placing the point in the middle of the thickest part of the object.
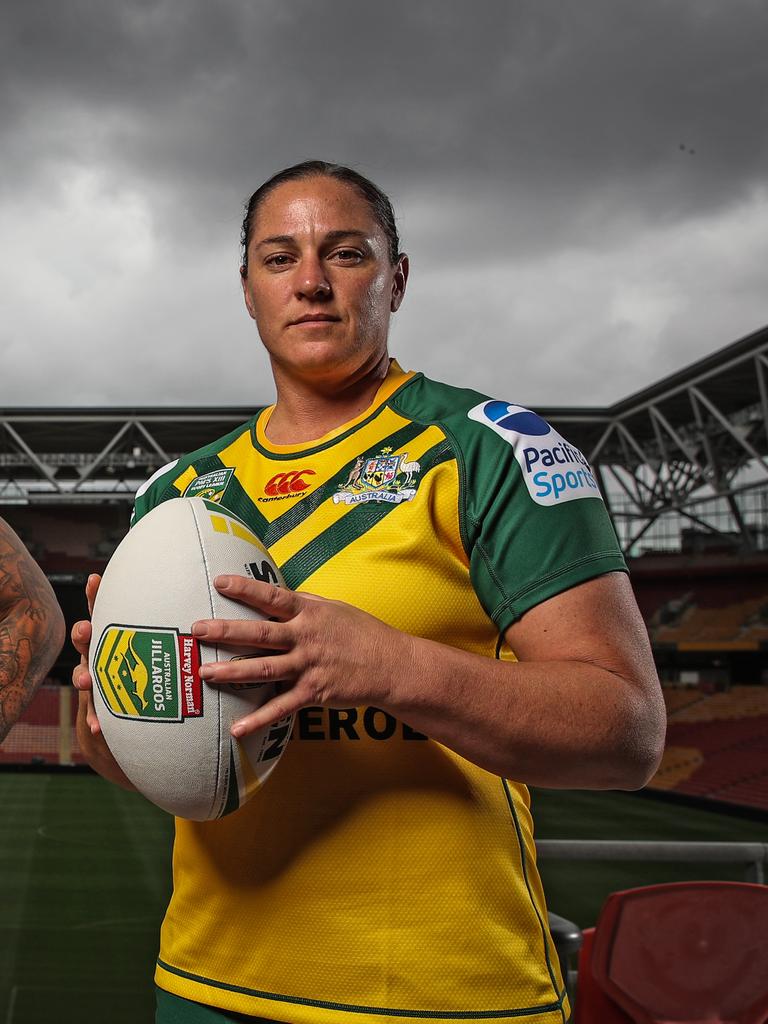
(210, 486)
(554, 471)
(384, 477)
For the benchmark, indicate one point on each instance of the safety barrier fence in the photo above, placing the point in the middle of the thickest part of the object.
(754, 856)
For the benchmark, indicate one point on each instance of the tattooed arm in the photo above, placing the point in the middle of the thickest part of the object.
(31, 628)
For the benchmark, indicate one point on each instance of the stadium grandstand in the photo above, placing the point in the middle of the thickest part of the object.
(683, 466)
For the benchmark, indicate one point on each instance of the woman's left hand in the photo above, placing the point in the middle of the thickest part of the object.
(319, 652)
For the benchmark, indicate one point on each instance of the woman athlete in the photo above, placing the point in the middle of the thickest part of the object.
(457, 624)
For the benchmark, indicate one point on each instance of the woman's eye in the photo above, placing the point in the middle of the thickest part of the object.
(347, 255)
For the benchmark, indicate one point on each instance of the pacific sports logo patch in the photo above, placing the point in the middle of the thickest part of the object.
(152, 674)
(554, 471)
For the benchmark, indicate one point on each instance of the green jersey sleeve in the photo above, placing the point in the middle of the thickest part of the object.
(534, 519)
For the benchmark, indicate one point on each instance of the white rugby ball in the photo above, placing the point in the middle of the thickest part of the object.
(168, 730)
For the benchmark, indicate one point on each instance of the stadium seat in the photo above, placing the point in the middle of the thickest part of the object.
(688, 952)
(592, 1005)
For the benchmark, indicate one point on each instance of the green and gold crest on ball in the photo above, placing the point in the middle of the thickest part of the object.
(150, 674)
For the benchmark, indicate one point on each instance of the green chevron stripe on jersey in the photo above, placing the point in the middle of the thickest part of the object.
(304, 508)
(171, 491)
(330, 542)
(237, 498)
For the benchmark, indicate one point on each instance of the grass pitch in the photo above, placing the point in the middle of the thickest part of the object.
(85, 869)
(85, 876)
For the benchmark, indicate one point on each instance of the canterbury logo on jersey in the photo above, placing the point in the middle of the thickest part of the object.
(287, 485)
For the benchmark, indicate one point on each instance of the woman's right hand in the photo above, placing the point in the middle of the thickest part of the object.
(89, 735)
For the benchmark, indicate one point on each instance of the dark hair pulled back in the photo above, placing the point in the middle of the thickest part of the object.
(379, 203)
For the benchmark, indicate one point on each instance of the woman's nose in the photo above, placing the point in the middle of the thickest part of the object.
(312, 281)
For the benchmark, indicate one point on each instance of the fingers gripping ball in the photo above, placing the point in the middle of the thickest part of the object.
(168, 730)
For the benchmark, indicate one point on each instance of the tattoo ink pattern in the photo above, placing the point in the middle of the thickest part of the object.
(31, 628)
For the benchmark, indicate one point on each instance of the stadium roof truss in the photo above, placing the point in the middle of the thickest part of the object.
(64, 456)
(693, 440)
(697, 437)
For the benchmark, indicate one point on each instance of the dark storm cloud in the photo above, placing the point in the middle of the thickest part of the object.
(528, 145)
(564, 105)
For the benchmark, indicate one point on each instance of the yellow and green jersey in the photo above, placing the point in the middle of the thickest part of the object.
(378, 875)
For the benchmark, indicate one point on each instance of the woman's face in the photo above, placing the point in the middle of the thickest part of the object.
(320, 284)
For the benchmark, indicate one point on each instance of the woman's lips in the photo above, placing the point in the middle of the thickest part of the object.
(314, 318)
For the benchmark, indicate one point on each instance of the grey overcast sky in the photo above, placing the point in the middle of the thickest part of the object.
(582, 187)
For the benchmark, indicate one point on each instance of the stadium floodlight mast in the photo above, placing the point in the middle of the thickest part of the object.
(689, 451)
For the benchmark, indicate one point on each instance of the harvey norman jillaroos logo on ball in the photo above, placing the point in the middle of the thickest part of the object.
(554, 471)
(152, 674)
(383, 477)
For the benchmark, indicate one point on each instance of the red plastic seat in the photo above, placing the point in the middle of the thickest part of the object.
(592, 1005)
(683, 953)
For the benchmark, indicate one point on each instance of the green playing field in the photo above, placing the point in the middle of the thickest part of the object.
(85, 874)
(85, 871)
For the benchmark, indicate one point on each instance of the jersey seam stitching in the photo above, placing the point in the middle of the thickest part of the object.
(523, 864)
(374, 1011)
(509, 603)
(460, 464)
(508, 599)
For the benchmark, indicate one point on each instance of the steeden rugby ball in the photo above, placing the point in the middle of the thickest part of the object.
(168, 730)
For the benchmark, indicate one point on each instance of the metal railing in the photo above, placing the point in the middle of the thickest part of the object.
(754, 856)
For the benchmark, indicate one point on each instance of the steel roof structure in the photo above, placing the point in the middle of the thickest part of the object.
(692, 441)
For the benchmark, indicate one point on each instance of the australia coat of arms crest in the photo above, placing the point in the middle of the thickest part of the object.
(384, 477)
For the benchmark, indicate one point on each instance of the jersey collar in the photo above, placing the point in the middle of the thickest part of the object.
(395, 379)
